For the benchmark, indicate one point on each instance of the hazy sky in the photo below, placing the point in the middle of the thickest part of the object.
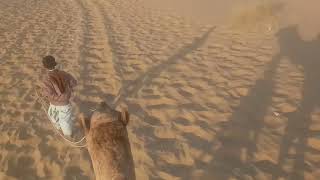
(303, 13)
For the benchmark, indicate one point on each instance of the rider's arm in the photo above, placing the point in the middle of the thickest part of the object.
(72, 81)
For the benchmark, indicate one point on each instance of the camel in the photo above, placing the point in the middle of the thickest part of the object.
(108, 143)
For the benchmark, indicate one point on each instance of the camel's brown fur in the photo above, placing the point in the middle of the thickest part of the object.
(108, 144)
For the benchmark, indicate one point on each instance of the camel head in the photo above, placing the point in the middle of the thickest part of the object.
(103, 114)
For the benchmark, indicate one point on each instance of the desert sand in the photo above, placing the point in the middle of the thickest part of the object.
(228, 93)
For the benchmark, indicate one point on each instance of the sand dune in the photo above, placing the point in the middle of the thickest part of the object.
(235, 100)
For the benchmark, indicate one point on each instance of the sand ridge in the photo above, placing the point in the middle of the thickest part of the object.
(207, 102)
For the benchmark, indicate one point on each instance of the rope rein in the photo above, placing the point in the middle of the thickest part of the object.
(71, 143)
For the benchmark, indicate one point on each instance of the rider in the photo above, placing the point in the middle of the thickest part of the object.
(57, 86)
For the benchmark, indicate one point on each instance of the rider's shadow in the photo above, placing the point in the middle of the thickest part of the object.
(240, 135)
(305, 54)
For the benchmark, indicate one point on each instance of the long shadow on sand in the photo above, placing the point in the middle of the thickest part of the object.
(305, 54)
(239, 137)
(240, 134)
(130, 89)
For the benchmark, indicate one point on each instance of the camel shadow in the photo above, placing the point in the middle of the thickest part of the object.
(305, 54)
(239, 137)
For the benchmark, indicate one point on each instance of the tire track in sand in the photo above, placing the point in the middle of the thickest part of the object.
(99, 78)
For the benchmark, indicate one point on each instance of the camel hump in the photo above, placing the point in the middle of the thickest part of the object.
(124, 114)
(104, 114)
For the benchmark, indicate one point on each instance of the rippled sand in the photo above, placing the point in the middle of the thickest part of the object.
(230, 101)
